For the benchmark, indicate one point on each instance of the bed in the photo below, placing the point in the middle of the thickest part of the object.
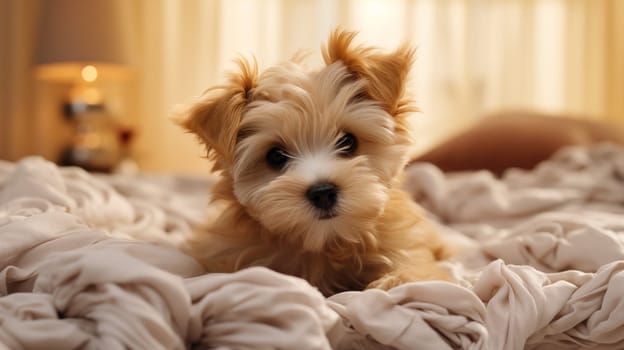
(90, 261)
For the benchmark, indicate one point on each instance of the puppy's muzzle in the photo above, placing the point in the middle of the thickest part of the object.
(323, 196)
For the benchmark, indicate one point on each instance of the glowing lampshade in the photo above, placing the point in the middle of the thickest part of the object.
(81, 40)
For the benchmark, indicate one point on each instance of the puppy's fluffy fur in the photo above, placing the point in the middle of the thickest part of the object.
(276, 137)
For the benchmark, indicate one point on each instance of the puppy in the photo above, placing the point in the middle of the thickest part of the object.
(310, 164)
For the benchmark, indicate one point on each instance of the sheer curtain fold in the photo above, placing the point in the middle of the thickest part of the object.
(17, 35)
(594, 54)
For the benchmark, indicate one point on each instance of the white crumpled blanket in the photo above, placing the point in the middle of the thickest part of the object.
(90, 262)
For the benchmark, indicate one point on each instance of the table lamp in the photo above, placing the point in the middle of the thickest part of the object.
(82, 48)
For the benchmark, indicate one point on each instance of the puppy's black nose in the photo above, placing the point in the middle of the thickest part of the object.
(323, 195)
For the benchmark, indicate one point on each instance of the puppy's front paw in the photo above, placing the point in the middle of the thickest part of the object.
(386, 282)
(394, 278)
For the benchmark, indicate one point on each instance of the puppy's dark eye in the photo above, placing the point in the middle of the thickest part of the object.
(347, 145)
(277, 158)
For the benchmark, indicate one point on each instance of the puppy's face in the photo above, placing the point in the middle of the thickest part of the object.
(311, 155)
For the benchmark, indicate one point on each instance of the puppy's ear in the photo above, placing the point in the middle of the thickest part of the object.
(216, 117)
(386, 73)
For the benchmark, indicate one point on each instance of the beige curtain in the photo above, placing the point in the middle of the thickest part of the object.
(474, 57)
(17, 23)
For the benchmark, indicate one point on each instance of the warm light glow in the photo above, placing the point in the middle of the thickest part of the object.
(81, 93)
(78, 72)
(89, 73)
(92, 96)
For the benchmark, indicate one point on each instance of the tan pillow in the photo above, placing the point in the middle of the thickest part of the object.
(517, 139)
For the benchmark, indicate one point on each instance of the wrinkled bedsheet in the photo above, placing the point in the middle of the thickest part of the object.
(90, 262)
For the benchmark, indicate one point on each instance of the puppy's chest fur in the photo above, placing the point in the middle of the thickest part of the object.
(394, 237)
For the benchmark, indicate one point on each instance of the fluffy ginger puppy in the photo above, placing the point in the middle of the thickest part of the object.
(310, 165)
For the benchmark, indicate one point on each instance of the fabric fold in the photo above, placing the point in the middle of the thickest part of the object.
(258, 309)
